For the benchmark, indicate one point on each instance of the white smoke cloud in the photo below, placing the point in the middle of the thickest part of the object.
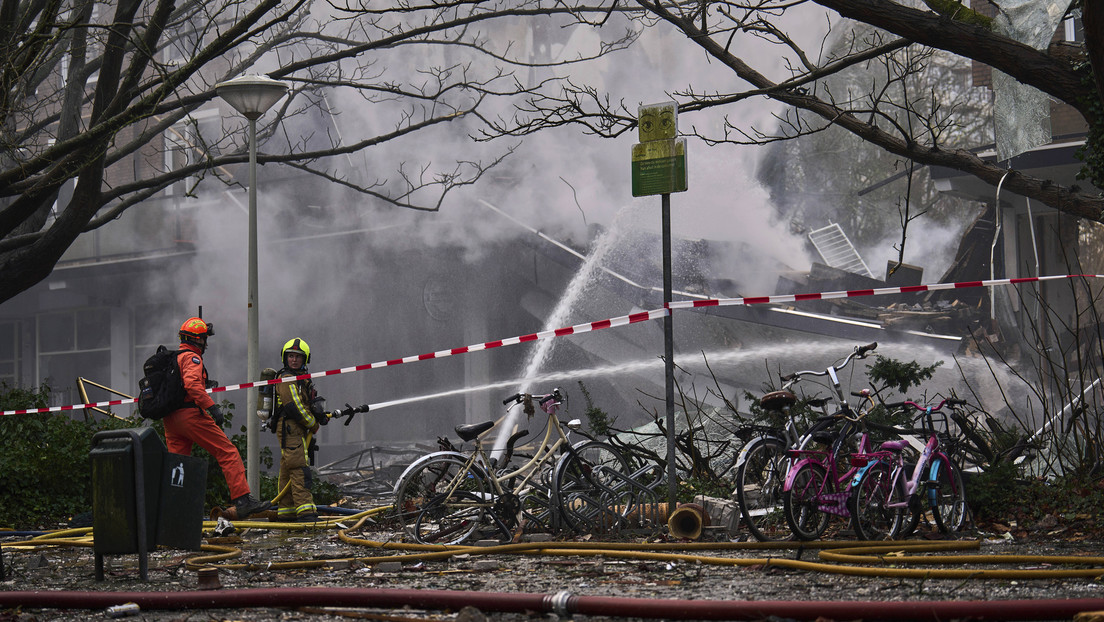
(561, 182)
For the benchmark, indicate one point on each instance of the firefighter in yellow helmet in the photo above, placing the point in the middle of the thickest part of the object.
(299, 413)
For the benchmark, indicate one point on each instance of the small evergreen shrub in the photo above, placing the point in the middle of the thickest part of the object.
(47, 473)
(44, 464)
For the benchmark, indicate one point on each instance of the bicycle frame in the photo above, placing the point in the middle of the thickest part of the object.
(546, 453)
(912, 485)
(788, 434)
(833, 501)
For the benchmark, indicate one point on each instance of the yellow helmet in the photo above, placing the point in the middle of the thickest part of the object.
(298, 346)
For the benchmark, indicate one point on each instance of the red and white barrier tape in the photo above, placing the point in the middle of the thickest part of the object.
(878, 291)
(591, 326)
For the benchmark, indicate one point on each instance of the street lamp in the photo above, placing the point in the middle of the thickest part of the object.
(252, 96)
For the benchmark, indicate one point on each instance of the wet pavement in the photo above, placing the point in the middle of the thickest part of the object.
(268, 561)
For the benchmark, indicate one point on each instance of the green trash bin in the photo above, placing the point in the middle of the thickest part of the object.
(180, 511)
(143, 496)
(126, 477)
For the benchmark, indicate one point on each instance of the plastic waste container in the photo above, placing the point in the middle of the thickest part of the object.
(126, 477)
(180, 510)
(143, 496)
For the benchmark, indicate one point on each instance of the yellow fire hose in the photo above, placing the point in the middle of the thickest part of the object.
(885, 559)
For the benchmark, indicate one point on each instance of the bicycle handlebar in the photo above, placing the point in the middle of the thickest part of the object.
(926, 417)
(860, 352)
(518, 398)
(950, 401)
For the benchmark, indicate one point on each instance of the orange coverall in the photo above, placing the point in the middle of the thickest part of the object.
(192, 425)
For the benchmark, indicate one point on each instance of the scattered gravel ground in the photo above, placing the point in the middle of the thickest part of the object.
(72, 568)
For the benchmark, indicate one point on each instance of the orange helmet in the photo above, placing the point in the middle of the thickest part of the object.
(195, 331)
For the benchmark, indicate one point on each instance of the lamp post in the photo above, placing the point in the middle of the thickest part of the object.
(252, 96)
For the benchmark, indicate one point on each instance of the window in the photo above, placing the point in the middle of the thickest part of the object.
(73, 344)
(190, 142)
(9, 353)
(1074, 30)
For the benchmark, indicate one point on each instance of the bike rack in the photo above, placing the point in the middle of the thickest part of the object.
(647, 499)
(604, 514)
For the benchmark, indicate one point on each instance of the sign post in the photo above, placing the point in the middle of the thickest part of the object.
(659, 167)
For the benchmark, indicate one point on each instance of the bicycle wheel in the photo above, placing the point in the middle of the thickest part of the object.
(871, 516)
(947, 495)
(449, 518)
(589, 487)
(760, 477)
(456, 493)
(801, 502)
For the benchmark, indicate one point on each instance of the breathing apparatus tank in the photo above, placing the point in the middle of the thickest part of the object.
(265, 404)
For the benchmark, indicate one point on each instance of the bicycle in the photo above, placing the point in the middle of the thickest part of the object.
(448, 496)
(813, 489)
(881, 495)
(764, 460)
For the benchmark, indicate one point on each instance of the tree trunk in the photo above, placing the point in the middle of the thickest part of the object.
(1092, 21)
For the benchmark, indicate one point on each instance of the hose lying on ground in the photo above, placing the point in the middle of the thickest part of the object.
(888, 559)
(561, 603)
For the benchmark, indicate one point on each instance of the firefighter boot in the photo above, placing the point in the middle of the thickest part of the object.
(246, 506)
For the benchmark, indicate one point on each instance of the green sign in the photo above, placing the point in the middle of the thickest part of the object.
(659, 167)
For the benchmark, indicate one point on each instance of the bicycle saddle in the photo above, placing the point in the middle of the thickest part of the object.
(895, 445)
(468, 431)
(777, 400)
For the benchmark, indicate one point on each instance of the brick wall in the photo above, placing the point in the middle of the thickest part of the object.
(982, 73)
(1063, 118)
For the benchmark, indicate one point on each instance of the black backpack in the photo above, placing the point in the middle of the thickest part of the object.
(161, 389)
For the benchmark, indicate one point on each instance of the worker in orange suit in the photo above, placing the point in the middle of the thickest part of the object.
(200, 421)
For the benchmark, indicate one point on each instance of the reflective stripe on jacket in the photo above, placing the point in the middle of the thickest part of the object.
(293, 400)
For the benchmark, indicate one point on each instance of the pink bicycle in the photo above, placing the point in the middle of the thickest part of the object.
(889, 496)
(815, 489)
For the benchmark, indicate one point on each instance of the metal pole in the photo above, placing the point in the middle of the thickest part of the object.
(669, 356)
(252, 430)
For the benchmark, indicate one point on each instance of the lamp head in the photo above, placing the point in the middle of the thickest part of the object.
(252, 96)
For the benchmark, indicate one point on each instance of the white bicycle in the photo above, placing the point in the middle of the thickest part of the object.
(449, 496)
